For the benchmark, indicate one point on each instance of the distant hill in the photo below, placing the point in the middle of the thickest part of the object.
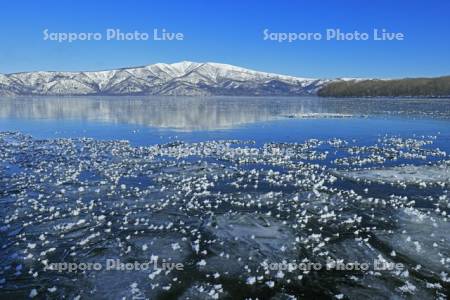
(426, 87)
(209, 79)
(178, 79)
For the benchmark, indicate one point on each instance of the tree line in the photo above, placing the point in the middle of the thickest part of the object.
(414, 87)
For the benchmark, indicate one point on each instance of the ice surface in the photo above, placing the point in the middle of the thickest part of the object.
(225, 215)
(247, 239)
(407, 174)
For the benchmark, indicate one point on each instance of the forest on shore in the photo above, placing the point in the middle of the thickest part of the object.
(408, 87)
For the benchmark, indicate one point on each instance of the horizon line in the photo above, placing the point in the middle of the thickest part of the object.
(233, 65)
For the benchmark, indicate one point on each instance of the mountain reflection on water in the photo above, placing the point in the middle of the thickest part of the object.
(92, 179)
(203, 113)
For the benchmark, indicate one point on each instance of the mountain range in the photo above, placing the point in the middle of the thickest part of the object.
(177, 79)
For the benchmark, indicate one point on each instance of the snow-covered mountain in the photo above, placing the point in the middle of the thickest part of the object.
(178, 79)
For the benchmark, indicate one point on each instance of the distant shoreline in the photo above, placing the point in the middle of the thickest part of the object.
(136, 96)
(199, 79)
(438, 87)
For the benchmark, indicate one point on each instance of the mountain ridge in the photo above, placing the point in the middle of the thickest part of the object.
(178, 79)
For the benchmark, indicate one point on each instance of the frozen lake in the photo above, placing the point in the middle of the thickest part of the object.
(268, 198)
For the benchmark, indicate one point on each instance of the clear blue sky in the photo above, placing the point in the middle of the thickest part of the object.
(231, 32)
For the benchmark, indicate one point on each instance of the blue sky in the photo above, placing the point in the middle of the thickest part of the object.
(231, 32)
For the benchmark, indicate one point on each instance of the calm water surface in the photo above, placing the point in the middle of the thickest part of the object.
(147, 121)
